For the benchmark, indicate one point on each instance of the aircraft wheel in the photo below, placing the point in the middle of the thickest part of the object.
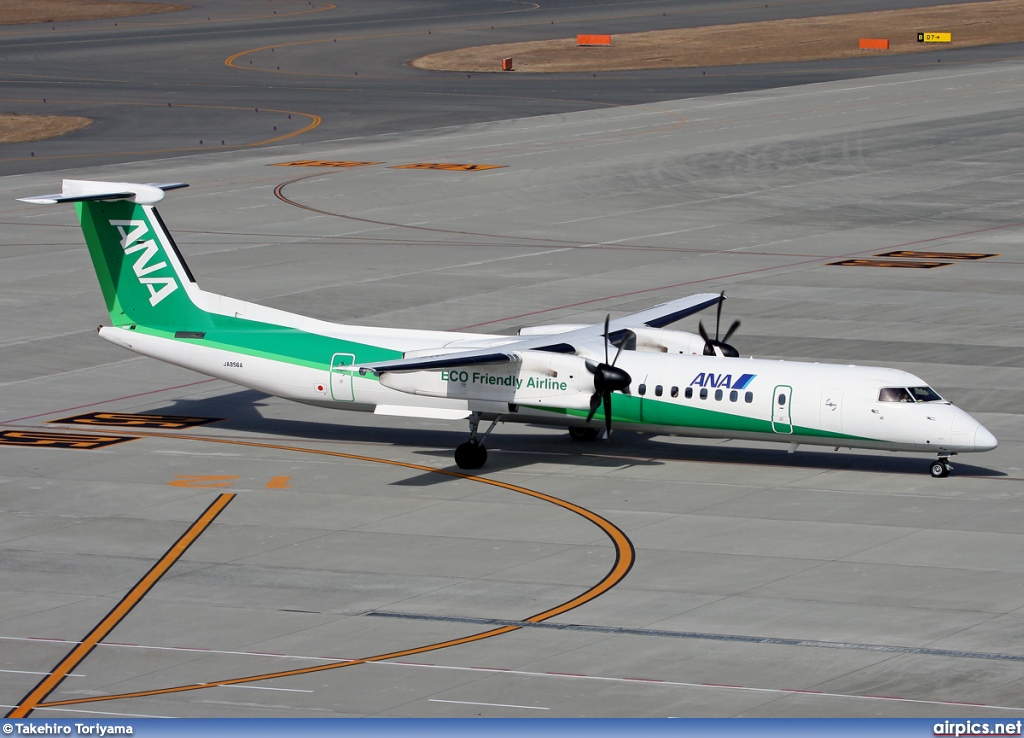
(940, 469)
(584, 434)
(470, 455)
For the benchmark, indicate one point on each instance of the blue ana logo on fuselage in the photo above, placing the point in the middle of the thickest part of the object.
(710, 379)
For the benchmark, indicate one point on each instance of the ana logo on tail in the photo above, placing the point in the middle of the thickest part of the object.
(132, 241)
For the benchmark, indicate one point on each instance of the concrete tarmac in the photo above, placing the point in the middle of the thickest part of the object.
(234, 75)
(352, 573)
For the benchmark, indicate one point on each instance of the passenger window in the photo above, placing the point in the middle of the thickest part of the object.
(733, 396)
(782, 399)
(718, 394)
(749, 397)
(688, 393)
(675, 392)
(657, 391)
(703, 393)
(642, 389)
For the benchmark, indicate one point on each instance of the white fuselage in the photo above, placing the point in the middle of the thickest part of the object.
(782, 401)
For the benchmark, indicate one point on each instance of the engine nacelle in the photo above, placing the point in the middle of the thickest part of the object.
(665, 341)
(550, 330)
(542, 378)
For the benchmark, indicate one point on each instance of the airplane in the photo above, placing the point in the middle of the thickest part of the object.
(660, 381)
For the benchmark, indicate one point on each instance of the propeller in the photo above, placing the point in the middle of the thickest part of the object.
(607, 379)
(722, 345)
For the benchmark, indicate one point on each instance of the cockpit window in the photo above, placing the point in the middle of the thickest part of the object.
(894, 394)
(912, 394)
(925, 394)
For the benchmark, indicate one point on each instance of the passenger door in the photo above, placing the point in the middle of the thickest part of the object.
(341, 378)
(782, 400)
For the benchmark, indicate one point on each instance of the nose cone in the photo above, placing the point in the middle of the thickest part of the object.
(969, 434)
(983, 439)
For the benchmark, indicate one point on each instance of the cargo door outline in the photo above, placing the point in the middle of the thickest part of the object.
(782, 401)
(830, 412)
(341, 378)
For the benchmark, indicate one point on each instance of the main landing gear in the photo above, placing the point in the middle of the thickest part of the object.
(473, 454)
(941, 467)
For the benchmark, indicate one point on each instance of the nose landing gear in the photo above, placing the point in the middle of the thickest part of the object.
(941, 467)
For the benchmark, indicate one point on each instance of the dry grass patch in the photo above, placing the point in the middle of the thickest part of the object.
(16, 128)
(21, 128)
(797, 39)
(54, 11)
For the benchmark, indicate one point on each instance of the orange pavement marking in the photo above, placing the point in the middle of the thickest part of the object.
(624, 558)
(115, 616)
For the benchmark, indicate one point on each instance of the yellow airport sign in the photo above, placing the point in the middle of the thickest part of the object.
(137, 420)
(925, 37)
(890, 264)
(958, 255)
(44, 439)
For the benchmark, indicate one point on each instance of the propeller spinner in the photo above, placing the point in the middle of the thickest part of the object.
(608, 378)
(714, 346)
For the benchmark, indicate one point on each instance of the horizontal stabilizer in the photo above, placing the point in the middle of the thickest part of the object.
(80, 190)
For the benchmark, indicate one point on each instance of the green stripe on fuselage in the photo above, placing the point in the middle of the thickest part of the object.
(277, 343)
(632, 410)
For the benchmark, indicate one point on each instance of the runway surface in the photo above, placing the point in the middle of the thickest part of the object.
(236, 75)
(340, 564)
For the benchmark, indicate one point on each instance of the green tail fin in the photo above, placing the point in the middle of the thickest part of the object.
(144, 279)
(142, 276)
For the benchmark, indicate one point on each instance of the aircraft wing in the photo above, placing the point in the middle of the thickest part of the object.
(562, 343)
(667, 313)
(473, 357)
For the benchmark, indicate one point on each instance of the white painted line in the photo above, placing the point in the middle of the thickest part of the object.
(70, 371)
(666, 683)
(490, 704)
(180, 648)
(269, 689)
(514, 672)
(38, 673)
(76, 710)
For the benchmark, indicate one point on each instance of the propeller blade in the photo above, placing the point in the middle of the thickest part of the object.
(608, 378)
(618, 353)
(607, 321)
(719, 346)
(732, 329)
(718, 317)
(709, 345)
